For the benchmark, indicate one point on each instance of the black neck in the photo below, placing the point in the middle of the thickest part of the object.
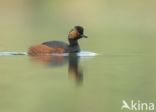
(73, 45)
(73, 42)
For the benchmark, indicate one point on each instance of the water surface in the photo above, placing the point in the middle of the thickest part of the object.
(122, 32)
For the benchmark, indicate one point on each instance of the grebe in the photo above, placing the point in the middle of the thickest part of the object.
(58, 46)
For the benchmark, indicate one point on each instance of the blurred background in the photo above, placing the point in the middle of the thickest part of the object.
(122, 31)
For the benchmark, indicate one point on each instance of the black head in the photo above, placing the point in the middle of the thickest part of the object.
(76, 33)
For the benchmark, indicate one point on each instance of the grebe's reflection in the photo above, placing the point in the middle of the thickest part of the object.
(74, 70)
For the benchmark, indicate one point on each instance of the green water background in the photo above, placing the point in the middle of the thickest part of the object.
(122, 31)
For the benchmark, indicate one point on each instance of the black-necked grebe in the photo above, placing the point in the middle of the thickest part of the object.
(58, 46)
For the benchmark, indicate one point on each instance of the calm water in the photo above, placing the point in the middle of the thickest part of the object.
(123, 32)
